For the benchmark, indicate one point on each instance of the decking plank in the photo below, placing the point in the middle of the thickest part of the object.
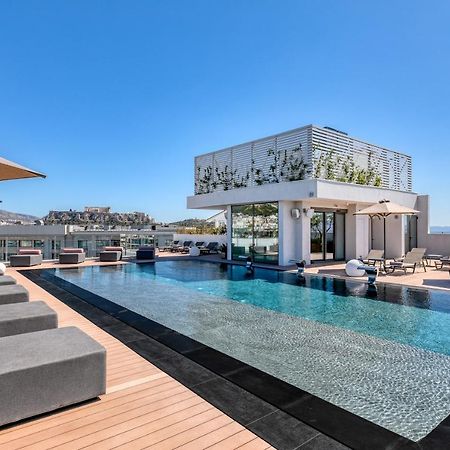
(212, 437)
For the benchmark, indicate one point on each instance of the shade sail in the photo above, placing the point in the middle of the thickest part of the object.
(11, 171)
(386, 208)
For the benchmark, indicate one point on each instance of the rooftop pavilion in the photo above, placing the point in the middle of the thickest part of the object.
(315, 179)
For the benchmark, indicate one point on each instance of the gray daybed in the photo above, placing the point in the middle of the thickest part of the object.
(72, 256)
(47, 370)
(26, 258)
(13, 293)
(111, 254)
(18, 318)
(6, 280)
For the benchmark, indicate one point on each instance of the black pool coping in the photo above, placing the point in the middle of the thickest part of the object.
(262, 403)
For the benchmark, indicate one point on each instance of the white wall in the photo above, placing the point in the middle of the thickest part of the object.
(34, 231)
(356, 233)
(395, 236)
(434, 243)
(286, 233)
(207, 238)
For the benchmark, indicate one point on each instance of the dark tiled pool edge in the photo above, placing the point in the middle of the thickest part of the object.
(300, 406)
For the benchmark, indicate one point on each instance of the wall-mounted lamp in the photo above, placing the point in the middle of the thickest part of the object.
(309, 212)
(295, 213)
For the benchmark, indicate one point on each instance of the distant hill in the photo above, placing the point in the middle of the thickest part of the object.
(441, 230)
(9, 217)
(190, 223)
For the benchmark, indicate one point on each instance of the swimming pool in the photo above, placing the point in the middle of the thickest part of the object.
(381, 354)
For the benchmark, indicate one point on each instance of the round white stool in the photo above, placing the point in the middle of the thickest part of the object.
(351, 268)
(194, 251)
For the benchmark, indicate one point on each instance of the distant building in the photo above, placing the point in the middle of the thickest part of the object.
(97, 209)
(218, 220)
(52, 238)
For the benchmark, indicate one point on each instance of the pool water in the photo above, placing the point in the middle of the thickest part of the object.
(381, 353)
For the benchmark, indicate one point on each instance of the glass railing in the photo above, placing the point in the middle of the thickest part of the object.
(50, 249)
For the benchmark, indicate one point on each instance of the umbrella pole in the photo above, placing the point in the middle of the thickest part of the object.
(371, 232)
(384, 235)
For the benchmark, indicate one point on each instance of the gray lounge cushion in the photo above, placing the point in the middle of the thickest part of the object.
(47, 370)
(7, 280)
(71, 258)
(13, 293)
(25, 260)
(18, 318)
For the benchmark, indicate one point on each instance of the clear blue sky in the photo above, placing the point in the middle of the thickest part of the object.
(113, 99)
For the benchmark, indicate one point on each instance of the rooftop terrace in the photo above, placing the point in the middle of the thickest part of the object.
(308, 152)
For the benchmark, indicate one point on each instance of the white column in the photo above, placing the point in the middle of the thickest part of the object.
(303, 234)
(357, 241)
(286, 233)
(47, 250)
(229, 232)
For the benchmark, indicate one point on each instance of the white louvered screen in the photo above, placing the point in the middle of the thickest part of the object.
(393, 168)
(293, 155)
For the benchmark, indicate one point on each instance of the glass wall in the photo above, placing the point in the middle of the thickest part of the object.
(255, 232)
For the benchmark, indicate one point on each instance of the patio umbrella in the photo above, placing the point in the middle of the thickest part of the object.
(12, 171)
(383, 209)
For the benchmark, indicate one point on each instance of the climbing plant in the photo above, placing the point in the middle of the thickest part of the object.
(344, 169)
(280, 165)
(203, 180)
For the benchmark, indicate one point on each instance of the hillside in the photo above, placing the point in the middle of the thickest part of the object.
(12, 217)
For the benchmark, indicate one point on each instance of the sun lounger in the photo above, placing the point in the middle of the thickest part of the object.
(259, 250)
(168, 246)
(410, 261)
(72, 256)
(212, 247)
(6, 280)
(173, 247)
(18, 318)
(418, 251)
(444, 261)
(185, 247)
(47, 370)
(13, 293)
(111, 254)
(374, 256)
(26, 257)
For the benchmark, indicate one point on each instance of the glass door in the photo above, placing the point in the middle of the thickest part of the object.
(410, 232)
(317, 237)
(327, 236)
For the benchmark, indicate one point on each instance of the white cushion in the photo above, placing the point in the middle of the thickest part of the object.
(2, 269)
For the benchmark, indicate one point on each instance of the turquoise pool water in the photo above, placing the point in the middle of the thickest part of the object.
(382, 354)
(333, 302)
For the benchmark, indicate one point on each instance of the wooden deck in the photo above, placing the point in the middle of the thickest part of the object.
(143, 406)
